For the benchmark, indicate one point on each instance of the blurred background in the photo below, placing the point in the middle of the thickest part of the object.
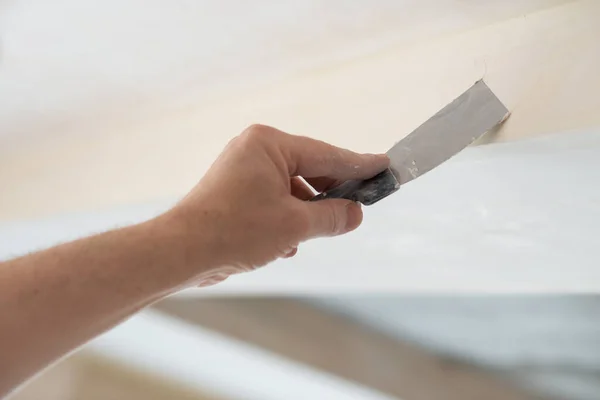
(346, 347)
(110, 110)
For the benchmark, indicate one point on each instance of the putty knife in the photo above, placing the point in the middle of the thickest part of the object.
(453, 128)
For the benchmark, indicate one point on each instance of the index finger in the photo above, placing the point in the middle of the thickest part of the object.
(312, 158)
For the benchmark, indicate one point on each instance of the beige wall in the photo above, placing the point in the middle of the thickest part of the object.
(542, 64)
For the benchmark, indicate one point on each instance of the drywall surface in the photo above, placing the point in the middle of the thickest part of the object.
(520, 216)
(95, 117)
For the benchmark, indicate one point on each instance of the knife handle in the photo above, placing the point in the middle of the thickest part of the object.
(367, 192)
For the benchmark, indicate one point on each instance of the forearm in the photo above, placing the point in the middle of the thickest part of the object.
(249, 209)
(57, 299)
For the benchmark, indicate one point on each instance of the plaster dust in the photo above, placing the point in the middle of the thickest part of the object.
(541, 64)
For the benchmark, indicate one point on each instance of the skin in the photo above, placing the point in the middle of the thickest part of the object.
(247, 211)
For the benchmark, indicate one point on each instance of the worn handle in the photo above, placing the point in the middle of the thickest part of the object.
(367, 192)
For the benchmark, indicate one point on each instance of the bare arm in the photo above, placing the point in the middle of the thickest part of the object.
(54, 300)
(247, 211)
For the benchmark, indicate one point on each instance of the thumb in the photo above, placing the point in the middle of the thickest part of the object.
(332, 217)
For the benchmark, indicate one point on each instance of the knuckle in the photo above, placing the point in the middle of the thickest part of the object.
(233, 142)
(259, 133)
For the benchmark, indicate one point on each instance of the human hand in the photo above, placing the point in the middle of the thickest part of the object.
(250, 208)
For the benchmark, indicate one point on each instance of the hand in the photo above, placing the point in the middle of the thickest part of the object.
(251, 206)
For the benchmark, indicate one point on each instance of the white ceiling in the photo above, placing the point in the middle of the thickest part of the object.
(506, 218)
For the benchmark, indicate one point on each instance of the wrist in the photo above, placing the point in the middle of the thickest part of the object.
(193, 245)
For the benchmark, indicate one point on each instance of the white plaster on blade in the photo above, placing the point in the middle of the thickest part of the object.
(413, 170)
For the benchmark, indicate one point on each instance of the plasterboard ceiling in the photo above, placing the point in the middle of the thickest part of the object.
(519, 216)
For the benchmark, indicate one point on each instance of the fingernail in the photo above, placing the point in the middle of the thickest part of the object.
(354, 216)
(292, 253)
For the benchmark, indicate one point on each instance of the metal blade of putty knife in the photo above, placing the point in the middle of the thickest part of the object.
(453, 128)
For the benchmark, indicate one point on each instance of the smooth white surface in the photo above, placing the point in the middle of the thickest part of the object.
(511, 217)
(199, 358)
(522, 216)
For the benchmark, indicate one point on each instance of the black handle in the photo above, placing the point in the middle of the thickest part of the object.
(367, 192)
